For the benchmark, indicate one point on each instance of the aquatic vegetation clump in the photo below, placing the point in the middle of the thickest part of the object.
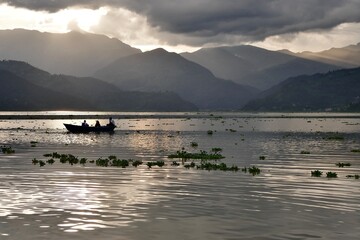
(335, 137)
(202, 155)
(69, 158)
(304, 152)
(341, 165)
(262, 157)
(120, 163)
(210, 132)
(83, 161)
(7, 150)
(355, 150)
(52, 155)
(254, 170)
(136, 163)
(102, 162)
(316, 173)
(35, 161)
(50, 161)
(194, 144)
(42, 163)
(205, 165)
(191, 165)
(331, 175)
(157, 163)
(356, 176)
(174, 163)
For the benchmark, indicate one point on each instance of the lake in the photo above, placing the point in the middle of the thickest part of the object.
(86, 201)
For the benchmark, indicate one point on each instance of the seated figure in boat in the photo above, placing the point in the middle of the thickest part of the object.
(85, 124)
(97, 124)
(111, 122)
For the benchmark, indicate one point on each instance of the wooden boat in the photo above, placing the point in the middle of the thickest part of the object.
(86, 129)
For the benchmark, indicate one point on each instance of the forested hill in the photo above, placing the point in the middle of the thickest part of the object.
(334, 91)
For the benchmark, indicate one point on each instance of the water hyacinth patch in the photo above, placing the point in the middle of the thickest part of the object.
(341, 165)
(202, 155)
(331, 175)
(7, 150)
(356, 176)
(157, 163)
(316, 173)
(137, 163)
(304, 152)
(254, 170)
(262, 157)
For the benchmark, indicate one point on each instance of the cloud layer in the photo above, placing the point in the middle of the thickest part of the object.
(197, 22)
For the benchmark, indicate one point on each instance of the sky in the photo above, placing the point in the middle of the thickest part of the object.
(187, 25)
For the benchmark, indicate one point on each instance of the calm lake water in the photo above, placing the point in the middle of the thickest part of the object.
(284, 201)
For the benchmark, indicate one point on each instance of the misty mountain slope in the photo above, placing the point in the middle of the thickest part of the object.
(18, 94)
(222, 63)
(97, 93)
(164, 71)
(336, 91)
(72, 53)
(345, 57)
(272, 76)
(255, 66)
(238, 61)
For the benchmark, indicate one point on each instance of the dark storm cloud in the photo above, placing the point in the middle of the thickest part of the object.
(251, 19)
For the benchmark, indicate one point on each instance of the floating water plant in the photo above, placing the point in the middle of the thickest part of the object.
(304, 152)
(331, 175)
(355, 150)
(83, 161)
(194, 144)
(191, 165)
(120, 163)
(335, 137)
(210, 132)
(42, 163)
(35, 161)
(262, 157)
(50, 161)
(205, 165)
(7, 150)
(356, 176)
(340, 164)
(254, 170)
(102, 162)
(316, 173)
(136, 163)
(157, 163)
(202, 155)
(174, 163)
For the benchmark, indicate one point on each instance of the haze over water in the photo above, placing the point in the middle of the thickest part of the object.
(61, 201)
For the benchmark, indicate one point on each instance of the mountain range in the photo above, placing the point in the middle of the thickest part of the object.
(333, 91)
(73, 53)
(165, 71)
(96, 72)
(255, 66)
(44, 91)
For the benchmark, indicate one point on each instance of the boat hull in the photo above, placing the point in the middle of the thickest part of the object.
(81, 129)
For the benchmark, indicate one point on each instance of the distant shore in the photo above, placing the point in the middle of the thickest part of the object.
(170, 115)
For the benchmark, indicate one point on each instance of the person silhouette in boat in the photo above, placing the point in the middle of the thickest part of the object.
(97, 124)
(111, 122)
(85, 124)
